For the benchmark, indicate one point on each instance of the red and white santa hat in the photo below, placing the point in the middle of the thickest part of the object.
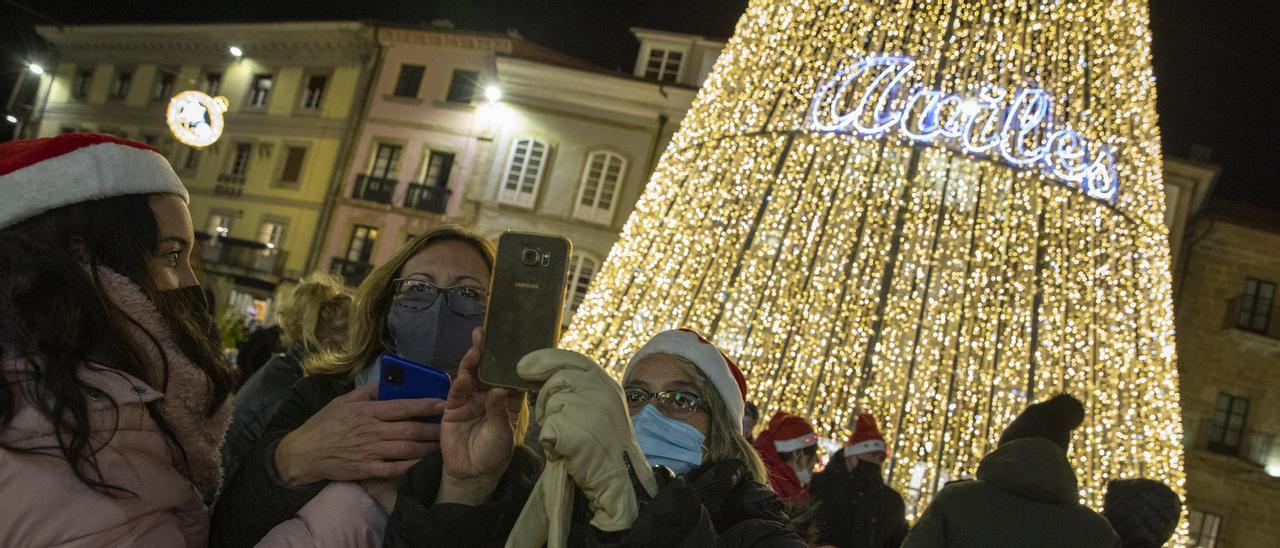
(866, 437)
(38, 175)
(791, 433)
(718, 368)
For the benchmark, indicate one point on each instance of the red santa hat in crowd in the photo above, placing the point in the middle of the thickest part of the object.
(714, 364)
(790, 433)
(39, 175)
(866, 437)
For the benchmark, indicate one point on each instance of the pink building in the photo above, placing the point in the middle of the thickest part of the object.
(419, 142)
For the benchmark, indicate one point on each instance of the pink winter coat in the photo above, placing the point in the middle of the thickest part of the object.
(43, 503)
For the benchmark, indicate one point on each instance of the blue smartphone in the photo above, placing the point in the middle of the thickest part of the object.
(402, 379)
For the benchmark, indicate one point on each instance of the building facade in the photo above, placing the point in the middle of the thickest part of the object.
(418, 143)
(574, 147)
(294, 91)
(1228, 340)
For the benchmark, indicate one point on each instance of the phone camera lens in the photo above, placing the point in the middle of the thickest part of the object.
(530, 256)
(394, 375)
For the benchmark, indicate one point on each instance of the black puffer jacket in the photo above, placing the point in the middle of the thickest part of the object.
(715, 505)
(856, 509)
(253, 500)
(256, 401)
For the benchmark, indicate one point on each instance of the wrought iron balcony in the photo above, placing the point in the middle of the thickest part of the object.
(432, 199)
(374, 189)
(231, 178)
(353, 272)
(1246, 314)
(252, 257)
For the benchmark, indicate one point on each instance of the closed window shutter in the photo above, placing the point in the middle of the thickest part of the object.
(600, 182)
(524, 171)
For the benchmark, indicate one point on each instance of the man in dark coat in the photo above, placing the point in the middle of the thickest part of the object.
(855, 507)
(1025, 493)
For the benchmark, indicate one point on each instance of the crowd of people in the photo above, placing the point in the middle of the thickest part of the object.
(122, 425)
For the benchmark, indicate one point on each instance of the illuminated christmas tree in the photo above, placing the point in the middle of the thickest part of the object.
(937, 212)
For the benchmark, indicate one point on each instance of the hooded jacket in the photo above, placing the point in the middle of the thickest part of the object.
(1025, 494)
(45, 504)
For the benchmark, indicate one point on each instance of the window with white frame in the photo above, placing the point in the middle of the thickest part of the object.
(163, 87)
(524, 172)
(219, 224)
(121, 83)
(663, 65)
(601, 180)
(271, 233)
(1204, 529)
(581, 269)
(260, 90)
(239, 166)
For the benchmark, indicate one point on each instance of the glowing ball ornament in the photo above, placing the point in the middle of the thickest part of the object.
(936, 212)
(195, 118)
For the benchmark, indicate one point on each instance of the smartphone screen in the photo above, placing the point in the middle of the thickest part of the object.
(526, 296)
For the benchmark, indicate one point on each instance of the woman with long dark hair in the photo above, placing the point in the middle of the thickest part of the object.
(113, 399)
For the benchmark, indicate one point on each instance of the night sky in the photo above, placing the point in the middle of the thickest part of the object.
(1215, 61)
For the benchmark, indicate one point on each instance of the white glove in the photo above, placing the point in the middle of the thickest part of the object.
(586, 434)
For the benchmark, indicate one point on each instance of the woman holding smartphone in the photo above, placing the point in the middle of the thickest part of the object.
(422, 306)
(685, 401)
(113, 400)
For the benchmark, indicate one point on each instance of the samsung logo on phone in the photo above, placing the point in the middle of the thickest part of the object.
(527, 285)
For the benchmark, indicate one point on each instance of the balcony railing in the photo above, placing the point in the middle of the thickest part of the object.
(1265, 322)
(231, 178)
(250, 256)
(353, 272)
(432, 199)
(1253, 446)
(374, 189)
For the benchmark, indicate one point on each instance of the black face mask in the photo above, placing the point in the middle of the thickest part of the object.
(436, 336)
(866, 471)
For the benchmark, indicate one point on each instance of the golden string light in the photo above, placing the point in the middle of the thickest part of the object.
(929, 280)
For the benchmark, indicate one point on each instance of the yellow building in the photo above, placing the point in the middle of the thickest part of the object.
(258, 194)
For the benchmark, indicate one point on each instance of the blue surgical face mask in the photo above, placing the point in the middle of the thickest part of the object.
(666, 441)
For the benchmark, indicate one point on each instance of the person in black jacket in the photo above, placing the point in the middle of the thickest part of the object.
(314, 319)
(422, 305)
(855, 507)
(685, 399)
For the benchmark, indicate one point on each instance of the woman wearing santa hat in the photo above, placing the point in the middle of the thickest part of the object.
(679, 408)
(114, 400)
(789, 447)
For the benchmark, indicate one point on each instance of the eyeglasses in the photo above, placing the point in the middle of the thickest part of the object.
(417, 294)
(676, 405)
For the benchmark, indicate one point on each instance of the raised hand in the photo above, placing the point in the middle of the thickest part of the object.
(478, 432)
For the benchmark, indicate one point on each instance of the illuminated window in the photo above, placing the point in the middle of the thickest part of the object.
(219, 224)
(601, 181)
(271, 233)
(524, 172)
(436, 171)
(360, 246)
(663, 65)
(260, 90)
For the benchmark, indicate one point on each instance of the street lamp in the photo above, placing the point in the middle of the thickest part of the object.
(11, 119)
(493, 93)
(236, 51)
(35, 69)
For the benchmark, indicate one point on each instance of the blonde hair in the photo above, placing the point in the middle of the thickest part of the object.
(724, 438)
(367, 334)
(314, 316)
